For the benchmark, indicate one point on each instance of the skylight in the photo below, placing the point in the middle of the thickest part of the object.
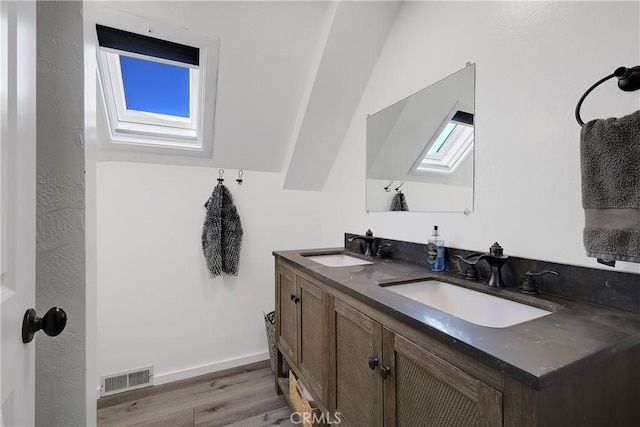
(156, 93)
(448, 147)
(155, 87)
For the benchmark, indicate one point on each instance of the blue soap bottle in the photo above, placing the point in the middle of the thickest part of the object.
(435, 251)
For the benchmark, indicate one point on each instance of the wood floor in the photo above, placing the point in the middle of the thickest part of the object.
(239, 397)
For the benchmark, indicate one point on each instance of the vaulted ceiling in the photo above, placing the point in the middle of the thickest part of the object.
(291, 75)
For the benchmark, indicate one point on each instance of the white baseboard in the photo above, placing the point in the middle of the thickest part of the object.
(183, 374)
(207, 369)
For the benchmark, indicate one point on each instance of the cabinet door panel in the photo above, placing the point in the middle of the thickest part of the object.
(287, 322)
(312, 354)
(429, 391)
(358, 391)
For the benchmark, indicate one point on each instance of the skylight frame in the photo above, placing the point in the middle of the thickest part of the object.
(154, 133)
(133, 122)
(456, 147)
(125, 114)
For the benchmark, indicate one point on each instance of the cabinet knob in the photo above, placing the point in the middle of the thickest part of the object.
(384, 372)
(296, 300)
(293, 297)
(373, 362)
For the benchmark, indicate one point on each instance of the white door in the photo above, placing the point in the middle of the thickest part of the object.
(17, 207)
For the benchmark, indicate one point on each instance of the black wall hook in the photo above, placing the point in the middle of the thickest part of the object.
(52, 323)
(220, 174)
(398, 187)
(387, 188)
(240, 180)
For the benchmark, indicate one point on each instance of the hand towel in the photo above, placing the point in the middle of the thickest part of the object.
(610, 163)
(221, 233)
(399, 202)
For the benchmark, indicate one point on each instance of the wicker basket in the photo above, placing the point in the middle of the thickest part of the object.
(270, 327)
(301, 405)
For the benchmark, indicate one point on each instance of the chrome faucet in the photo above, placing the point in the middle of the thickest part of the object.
(495, 258)
(368, 240)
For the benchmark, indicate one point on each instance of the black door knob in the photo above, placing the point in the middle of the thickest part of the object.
(52, 323)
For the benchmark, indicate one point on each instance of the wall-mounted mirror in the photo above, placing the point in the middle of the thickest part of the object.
(425, 141)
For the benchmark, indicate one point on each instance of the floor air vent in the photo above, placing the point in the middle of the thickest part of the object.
(125, 381)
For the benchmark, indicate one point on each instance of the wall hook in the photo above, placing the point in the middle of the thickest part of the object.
(220, 174)
(387, 187)
(239, 180)
(398, 187)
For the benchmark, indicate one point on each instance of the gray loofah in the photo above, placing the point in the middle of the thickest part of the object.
(221, 233)
(399, 203)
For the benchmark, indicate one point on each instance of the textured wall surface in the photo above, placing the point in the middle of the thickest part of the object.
(60, 252)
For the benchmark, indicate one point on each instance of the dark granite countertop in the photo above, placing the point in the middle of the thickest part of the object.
(538, 352)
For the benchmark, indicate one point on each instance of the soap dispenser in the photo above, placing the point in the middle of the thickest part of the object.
(435, 251)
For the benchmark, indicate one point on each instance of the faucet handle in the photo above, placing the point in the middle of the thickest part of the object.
(470, 272)
(529, 285)
(382, 250)
(530, 274)
(471, 259)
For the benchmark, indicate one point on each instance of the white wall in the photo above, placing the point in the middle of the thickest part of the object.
(534, 61)
(156, 304)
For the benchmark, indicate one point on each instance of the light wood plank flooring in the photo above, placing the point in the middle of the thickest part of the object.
(239, 397)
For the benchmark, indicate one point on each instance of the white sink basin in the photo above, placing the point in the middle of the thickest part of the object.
(472, 306)
(338, 260)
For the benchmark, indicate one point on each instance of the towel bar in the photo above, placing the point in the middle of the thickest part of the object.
(628, 80)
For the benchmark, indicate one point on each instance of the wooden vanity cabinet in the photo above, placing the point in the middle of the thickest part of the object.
(341, 348)
(382, 378)
(301, 329)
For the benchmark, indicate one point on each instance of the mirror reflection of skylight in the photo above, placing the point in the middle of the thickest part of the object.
(448, 146)
(155, 87)
(442, 138)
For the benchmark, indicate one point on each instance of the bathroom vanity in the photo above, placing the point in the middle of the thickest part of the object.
(382, 358)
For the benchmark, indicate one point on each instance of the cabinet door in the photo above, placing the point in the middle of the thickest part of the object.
(286, 320)
(357, 388)
(313, 356)
(424, 390)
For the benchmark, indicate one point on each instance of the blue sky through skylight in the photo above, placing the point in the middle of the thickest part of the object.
(155, 87)
(442, 137)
